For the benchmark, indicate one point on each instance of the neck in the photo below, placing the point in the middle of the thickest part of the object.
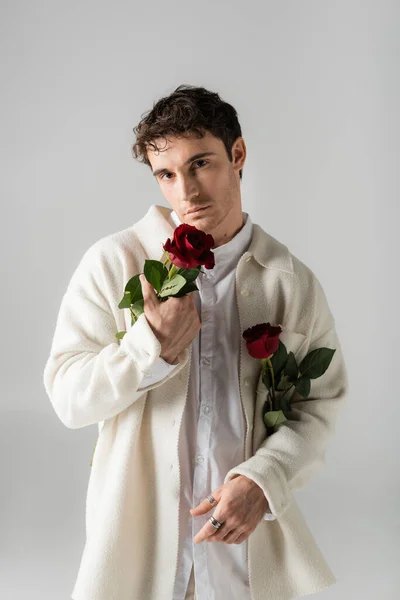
(225, 237)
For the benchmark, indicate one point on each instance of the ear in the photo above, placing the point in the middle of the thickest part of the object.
(238, 153)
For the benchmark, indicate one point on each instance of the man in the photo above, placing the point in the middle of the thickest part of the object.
(187, 498)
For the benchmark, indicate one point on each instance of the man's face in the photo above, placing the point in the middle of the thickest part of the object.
(210, 181)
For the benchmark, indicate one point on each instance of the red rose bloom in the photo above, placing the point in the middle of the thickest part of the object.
(262, 340)
(190, 248)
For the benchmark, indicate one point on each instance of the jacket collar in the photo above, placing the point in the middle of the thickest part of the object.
(269, 252)
(156, 226)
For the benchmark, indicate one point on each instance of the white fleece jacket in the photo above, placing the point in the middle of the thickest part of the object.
(132, 503)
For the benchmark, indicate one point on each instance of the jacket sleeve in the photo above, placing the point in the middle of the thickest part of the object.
(295, 452)
(269, 516)
(91, 376)
(159, 370)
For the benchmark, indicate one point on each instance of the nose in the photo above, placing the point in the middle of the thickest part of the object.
(188, 190)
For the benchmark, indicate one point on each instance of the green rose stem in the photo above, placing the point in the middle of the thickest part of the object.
(172, 271)
(271, 370)
(167, 260)
(292, 401)
(266, 364)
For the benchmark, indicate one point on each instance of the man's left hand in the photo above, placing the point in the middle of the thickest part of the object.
(241, 506)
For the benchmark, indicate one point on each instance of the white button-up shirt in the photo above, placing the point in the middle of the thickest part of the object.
(212, 433)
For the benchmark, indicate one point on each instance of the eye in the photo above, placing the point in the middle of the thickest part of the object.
(162, 176)
(201, 160)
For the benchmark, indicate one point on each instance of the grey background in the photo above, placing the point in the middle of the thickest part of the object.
(316, 85)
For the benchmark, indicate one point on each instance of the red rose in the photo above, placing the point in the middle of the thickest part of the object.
(262, 340)
(190, 248)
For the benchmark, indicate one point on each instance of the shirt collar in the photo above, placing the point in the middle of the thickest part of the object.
(226, 256)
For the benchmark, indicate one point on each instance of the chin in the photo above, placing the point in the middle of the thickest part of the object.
(199, 217)
(199, 222)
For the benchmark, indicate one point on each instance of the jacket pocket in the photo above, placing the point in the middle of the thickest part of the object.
(294, 342)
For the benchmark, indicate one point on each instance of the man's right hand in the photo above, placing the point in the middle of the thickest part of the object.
(174, 322)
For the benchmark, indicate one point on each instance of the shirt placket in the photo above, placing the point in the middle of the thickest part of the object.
(201, 476)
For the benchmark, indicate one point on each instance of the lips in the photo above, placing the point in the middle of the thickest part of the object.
(196, 209)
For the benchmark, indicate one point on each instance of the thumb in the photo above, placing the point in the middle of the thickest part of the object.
(148, 292)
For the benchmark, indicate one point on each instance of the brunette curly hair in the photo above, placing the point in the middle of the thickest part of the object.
(188, 110)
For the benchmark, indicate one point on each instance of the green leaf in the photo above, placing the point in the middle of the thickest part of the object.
(284, 383)
(278, 360)
(274, 417)
(137, 309)
(316, 362)
(120, 334)
(303, 386)
(126, 300)
(134, 287)
(291, 369)
(189, 287)
(189, 274)
(155, 273)
(284, 404)
(171, 287)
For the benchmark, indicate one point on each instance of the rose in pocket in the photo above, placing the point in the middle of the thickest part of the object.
(184, 255)
(262, 340)
(280, 372)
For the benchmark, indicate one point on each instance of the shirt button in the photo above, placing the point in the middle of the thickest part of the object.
(207, 409)
(245, 292)
(247, 381)
(200, 459)
(248, 259)
(205, 361)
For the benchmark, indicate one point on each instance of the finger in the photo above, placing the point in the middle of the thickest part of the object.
(222, 533)
(241, 538)
(207, 531)
(149, 295)
(233, 537)
(205, 505)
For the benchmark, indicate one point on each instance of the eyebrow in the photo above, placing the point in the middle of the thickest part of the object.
(189, 160)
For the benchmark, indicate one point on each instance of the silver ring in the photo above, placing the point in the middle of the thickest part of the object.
(215, 523)
(212, 500)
